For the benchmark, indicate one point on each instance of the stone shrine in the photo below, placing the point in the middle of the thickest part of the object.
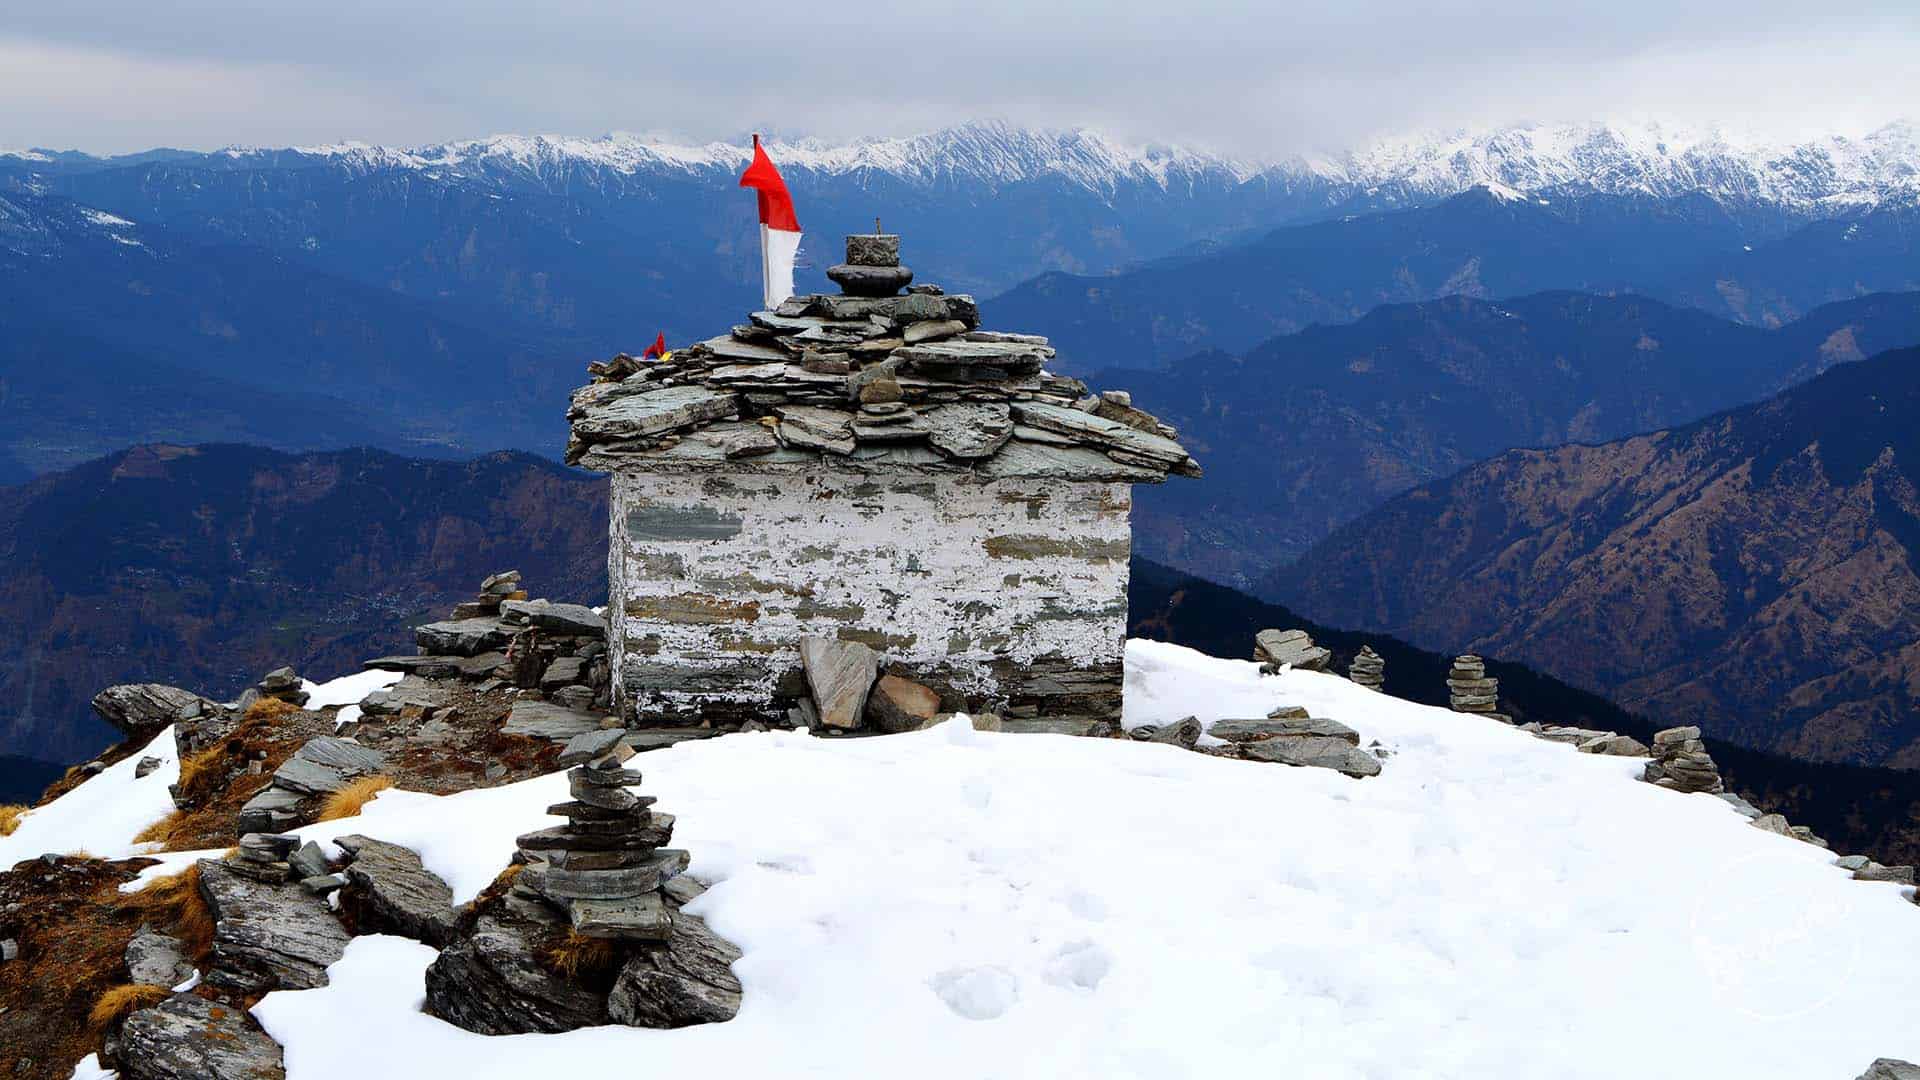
(868, 467)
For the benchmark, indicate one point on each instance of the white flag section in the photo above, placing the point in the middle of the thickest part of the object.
(778, 250)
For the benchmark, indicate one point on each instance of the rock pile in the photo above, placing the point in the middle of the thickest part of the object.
(494, 591)
(604, 875)
(1368, 669)
(1276, 649)
(1681, 762)
(319, 768)
(1289, 736)
(870, 380)
(282, 683)
(1471, 689)
(604, 869)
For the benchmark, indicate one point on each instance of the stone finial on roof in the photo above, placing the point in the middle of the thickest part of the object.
(872, 267)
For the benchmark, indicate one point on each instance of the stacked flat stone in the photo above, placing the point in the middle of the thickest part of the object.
(282, 684)
(606, 867)
(871, 380)
(1471, 689)
(494, 591)
(263, 857)
(1681, 763)
(1368, 669)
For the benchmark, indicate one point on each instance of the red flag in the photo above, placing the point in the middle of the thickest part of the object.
(656, 350)
(776, 206)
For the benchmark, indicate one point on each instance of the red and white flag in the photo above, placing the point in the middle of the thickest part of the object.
(779, 229)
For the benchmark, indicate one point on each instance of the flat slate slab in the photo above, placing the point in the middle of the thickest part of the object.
(1282, 727)
(670, 407)
(396, 893)
(545, 720)
(1316, 752)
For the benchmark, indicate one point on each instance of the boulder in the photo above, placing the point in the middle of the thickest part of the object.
(156, 959)
(840, 674)
(392, 892)
(188, 1037)
(898, 704)
(1293, 647)
(489, 982)
(1314, 751)
(1773, 823)
(267, 936)
(690, 981)
(141, 710)
(1891, 1069)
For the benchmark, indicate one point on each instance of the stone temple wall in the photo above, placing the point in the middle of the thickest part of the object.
(1005, 595)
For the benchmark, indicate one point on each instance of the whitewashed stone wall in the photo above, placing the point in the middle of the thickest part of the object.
(1003, 594)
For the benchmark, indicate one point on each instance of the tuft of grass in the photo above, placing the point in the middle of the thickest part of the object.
(578, 957)
(175, 832)
(268, 708)
(199, 771)
(116, 1004)
(176, 904)
(347, 802)
(10, 818)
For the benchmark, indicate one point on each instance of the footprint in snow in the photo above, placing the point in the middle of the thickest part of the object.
(1079, 965)
(977, 993)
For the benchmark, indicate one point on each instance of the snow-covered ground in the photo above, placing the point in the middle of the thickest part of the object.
(954, 903)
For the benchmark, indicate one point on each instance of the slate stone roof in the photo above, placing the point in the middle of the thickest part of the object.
(866, 383)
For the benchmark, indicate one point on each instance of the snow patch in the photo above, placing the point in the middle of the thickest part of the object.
(992, 904)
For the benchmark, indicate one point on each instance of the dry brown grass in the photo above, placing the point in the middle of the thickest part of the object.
(173, 833)
(114, 1005)
(267, 708)
(10, 818)
(176, 905)
(199, 771)
(580, 958)
(347, 802)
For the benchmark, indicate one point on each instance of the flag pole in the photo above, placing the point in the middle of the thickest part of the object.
(766, 255)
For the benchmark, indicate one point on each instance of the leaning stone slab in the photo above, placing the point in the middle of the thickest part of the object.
(392, 892)
(463, 637)
(265, 936)
(188, 1037)
(691, 981)
(545, 720)
(559, 618)
(839, 675)
(1313, 751)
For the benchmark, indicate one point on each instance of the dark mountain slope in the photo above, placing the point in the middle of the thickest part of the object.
(1757, 572)
(206, 566)
(1313, 429)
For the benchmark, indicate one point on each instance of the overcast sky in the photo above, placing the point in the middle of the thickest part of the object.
(1253, 79)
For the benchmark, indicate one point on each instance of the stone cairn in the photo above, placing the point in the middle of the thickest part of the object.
(605, 868)
(263, 857)
(1368, 669)
(1470, 689)
(1681, 763)
(494, 591)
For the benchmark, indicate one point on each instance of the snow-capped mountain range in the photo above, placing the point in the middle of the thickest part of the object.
(1814, 177)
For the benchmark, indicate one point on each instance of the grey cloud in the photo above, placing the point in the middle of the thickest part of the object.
(1250, 78)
